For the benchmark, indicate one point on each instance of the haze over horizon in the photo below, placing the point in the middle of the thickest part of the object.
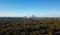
(21, 8)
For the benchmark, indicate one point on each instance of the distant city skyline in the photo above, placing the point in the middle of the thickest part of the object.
(22, 8)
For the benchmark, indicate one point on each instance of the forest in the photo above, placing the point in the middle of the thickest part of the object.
(29, 26)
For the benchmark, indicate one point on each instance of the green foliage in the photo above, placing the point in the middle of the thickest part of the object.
(22, 26)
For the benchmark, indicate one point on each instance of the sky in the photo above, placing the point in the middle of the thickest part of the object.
(21, 8)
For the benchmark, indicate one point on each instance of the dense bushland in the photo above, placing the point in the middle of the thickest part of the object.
(25, 26)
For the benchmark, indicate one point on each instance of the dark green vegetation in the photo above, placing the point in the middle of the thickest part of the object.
(24, 26)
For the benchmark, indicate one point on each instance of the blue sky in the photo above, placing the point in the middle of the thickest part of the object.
(20, 8)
